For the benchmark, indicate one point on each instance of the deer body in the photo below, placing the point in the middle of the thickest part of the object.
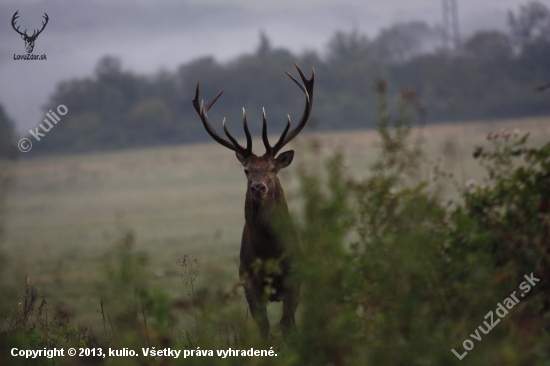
(269, 248)
(268, 258)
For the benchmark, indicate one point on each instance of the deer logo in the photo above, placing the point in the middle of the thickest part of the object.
(29, 40)
(270, 249)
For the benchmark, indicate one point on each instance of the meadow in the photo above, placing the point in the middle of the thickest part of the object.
(63, 213)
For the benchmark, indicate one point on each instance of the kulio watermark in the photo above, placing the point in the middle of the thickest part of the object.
(25, 144)
(501, 311)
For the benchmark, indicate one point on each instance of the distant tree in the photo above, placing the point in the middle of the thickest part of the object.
(115, 109)
(347, 47)
(488, 45)
(79, 132)
(403, 41)
(87, 123)
(530, 30)
(108, 68)
(265, 45)
(150, 112)
(531, 25)
(7, 145)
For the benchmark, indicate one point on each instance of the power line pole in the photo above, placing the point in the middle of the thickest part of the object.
(450, 31)
(456, 31)
(445, 27)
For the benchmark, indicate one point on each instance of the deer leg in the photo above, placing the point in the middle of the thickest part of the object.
(291, 299)
(258, 310)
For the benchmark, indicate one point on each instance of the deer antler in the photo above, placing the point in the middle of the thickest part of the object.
(34, 34)
(231, 144)
(286, 137)
(13, 19)
(43, 26)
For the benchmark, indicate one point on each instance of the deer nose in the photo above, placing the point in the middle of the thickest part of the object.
(258, 189)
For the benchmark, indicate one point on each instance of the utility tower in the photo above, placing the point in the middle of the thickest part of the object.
(450, 32)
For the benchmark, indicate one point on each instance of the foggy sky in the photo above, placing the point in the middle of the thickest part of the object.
(152, 34)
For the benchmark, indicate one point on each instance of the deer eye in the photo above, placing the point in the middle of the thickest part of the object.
(246, 171)
(273, 170)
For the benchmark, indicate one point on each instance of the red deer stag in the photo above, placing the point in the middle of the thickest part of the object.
(268, 255)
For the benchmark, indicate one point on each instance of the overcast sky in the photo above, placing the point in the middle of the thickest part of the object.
(152, 34)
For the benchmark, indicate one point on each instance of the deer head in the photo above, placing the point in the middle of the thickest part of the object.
(29, 40)
(261, 171)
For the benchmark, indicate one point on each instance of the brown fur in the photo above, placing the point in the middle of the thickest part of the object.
(269, 247)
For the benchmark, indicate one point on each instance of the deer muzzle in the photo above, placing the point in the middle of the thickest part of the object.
(258, 189)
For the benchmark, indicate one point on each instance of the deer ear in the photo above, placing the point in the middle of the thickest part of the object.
(241, 158)
(285, 159)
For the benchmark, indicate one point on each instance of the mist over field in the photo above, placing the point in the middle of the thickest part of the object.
(150, 35)
(460, 73)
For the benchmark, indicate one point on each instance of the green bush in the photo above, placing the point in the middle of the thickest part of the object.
(418, 276)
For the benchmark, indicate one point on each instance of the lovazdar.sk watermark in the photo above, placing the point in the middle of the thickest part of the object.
(31, 57)
(25, 144)
(501, 311)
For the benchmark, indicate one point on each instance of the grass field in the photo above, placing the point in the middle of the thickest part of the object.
(62, 212)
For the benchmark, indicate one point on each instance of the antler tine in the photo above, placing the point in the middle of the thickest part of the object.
(13, 20)
(268, 148)
(247, 133)
(307, 88)
(244, 152)
(279, 143)
(273, 150)
(43, 23)
(238, 146)
(296, 81)
(195, 100)
(202, 111)
(211, 103)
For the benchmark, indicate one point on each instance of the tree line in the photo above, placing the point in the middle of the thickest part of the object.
(492, 74)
